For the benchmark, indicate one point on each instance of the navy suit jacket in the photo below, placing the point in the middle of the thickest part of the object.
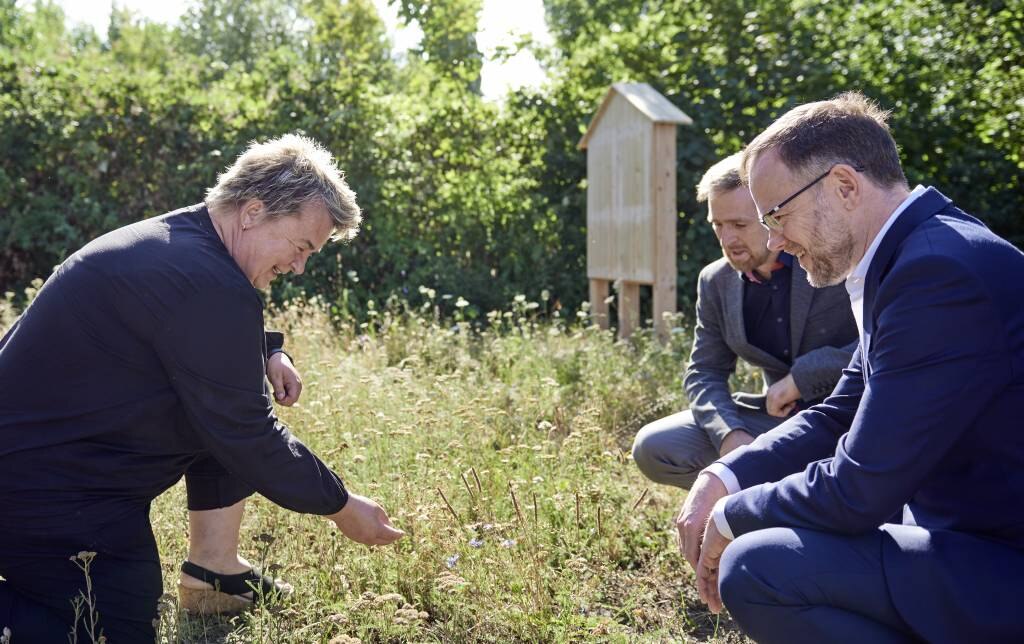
(923, 433)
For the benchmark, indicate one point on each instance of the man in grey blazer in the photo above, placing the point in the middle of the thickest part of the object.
(754, 304)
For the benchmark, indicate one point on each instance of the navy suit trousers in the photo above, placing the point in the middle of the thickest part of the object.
(792, 586)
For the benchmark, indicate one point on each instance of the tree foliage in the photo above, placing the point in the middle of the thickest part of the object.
(951, 73)
(461, 195)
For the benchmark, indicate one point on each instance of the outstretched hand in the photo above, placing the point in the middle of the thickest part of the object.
(364, 521)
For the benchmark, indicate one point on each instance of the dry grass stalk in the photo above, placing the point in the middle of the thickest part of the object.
(643, 495)
(468, 489)
(450, 508)
(515, 502)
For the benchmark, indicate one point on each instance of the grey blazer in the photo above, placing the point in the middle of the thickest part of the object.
(823, 336)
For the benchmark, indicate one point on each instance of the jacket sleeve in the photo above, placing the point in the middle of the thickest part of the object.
(809, 436)
(939, 357)
(712, 362)
(211, 349)
(274, 341)
(817, 372)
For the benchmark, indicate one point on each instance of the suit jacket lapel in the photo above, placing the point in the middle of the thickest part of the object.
(929, 203)
(800, 295)
(733, 296)
(736, 327)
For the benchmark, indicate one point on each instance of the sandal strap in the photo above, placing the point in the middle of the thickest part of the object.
(250, 581)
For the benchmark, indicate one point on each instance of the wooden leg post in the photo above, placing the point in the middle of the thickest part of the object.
(629, 308)
(598, 305)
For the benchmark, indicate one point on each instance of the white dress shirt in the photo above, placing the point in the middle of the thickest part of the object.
(855, 287)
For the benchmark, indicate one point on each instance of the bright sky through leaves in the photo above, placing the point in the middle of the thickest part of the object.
(502, 23)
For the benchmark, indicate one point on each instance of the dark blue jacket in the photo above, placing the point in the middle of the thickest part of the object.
(924, 430)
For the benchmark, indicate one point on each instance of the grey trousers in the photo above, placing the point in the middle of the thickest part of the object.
(673, 450)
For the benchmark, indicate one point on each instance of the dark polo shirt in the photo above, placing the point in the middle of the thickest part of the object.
(766, 309)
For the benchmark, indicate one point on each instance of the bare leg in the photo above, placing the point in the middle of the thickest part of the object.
(213, 545)
(213, 539)
(213, 542)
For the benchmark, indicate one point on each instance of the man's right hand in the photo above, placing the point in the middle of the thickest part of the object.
(782, 396)
(364, 521)
(735, 438)
(706, 490)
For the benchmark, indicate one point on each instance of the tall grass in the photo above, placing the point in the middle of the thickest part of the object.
(503, 452)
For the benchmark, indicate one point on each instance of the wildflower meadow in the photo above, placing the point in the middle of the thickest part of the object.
(502, 449)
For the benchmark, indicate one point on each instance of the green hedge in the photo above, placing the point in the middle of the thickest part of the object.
(469, 198)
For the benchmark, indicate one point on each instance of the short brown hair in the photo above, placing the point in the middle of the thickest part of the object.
(285, 174)
(850, 129)
(721, 177)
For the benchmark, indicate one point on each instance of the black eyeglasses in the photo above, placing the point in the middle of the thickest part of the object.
(771, 222)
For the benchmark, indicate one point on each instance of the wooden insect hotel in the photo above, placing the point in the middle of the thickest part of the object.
(631, 203)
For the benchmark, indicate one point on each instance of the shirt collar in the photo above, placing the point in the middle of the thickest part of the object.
(861, 271)
(784, 260)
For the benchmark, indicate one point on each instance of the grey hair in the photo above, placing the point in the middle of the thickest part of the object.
(285, 174)
(721, 177)
(849, 128)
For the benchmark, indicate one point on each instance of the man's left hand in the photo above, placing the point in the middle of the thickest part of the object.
(782, 397)
(284, 378)
(707, 567)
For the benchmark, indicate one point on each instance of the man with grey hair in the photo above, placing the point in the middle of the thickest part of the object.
(755, 304)
(284, 175)
(143, 358)
(890, 512)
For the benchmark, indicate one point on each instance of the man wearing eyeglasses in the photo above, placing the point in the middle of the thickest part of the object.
(892, 511)
(756, 304)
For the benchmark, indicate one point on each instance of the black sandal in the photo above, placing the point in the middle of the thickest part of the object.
(228, 594)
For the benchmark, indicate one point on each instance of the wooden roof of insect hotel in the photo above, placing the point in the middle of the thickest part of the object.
(645, 99)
